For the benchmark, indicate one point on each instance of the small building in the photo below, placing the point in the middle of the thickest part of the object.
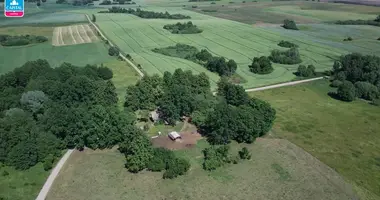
(154, 116)
(174, 135)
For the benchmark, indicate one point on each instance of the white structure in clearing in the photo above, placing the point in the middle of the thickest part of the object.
(174, 135)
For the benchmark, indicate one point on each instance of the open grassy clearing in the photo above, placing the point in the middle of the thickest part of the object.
(342, 135)
(22, 185)
(277, 170)
(232, 40)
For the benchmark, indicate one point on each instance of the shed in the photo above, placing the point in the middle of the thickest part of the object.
(174, 135)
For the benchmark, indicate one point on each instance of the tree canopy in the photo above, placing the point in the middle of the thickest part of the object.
(183, 28)
(261, 65)
(290, 24)
(289, 57)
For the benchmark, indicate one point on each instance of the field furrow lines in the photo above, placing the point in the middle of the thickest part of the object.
(84, 33)
(72, 36)
(91, 32)
(79, 36)
(60, 36)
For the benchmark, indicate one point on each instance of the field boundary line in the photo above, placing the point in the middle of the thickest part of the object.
(283, 84)
(54, 173)
(72, 36)
(110, 43)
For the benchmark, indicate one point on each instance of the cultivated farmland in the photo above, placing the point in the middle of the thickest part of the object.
(71, 35)
(229, 39)
(277, 170)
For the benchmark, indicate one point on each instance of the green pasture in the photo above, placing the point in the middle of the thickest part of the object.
(229, 39)
(278, 170)
(343, 135)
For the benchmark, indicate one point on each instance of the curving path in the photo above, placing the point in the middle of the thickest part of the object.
(54, 173)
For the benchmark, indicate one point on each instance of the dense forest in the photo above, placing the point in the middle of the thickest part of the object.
(357, 75)
(20, 40)
(145, 14)
(215, 64)
(183, 28)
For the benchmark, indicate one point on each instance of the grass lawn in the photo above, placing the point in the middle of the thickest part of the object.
(343, 135)
(123, 76)
(22, 185)
(278, 170)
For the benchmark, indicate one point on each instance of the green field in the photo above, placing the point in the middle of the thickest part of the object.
(277, 170)
(232, 40)
(342, 135)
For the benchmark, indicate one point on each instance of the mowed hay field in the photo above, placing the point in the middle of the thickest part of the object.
(343, 135)
(233, 40)
(75, 34)
(80, 54)
(278, 170)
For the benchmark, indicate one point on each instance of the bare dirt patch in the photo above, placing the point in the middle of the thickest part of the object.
(75, 34)
(188, 140)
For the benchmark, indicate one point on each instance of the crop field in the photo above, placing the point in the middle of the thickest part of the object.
(278, 170)
(276, 12)
(345, 136)
(229, 39)
(75, 34)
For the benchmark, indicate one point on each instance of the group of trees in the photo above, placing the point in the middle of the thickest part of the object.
(290, 24)
(236, 116)
(261, 65)
(289, 57)
(146, 14)
(348, 39)
(357, 75)
(113, 51)
(20, 40)
(217, 156)
(215, 64)
(183, 28)
(120, 2)
(93, 18)
(47, 110)
(176, 95)
(287, 44)
(375, 22)
(304, 71)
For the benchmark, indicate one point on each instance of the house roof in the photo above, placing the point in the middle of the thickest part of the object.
(174, 135)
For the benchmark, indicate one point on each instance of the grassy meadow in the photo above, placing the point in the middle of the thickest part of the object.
(232, 40)
(277, 170)
(342, 135)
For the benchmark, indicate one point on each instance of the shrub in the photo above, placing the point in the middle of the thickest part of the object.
(105, 73)
(113, 51)
(244, 153)
(366, 90)
(176, 167)
(291, 56)
(376, 102)
(287, 44)
(194, 6)
(5, 173)
(215, 157)
(106, 2)
(160, 160)
(290, 24)
(38, 3)
(346, 91)
(261, 65)
(93, 18)
(336, 83)
(306, 72)
(48, 162)
(348, 39)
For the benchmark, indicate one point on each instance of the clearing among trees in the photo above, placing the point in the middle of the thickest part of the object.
(188, 140)
(75, 34)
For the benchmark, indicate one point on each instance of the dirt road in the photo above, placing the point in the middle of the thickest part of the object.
(110, 43)
(54, 173)
(282, 84)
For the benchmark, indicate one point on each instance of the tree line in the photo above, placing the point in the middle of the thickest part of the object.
(21, 40)
(146, 14)
(374, 22)
(183, 28)
(357, 75)
(215, 64)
